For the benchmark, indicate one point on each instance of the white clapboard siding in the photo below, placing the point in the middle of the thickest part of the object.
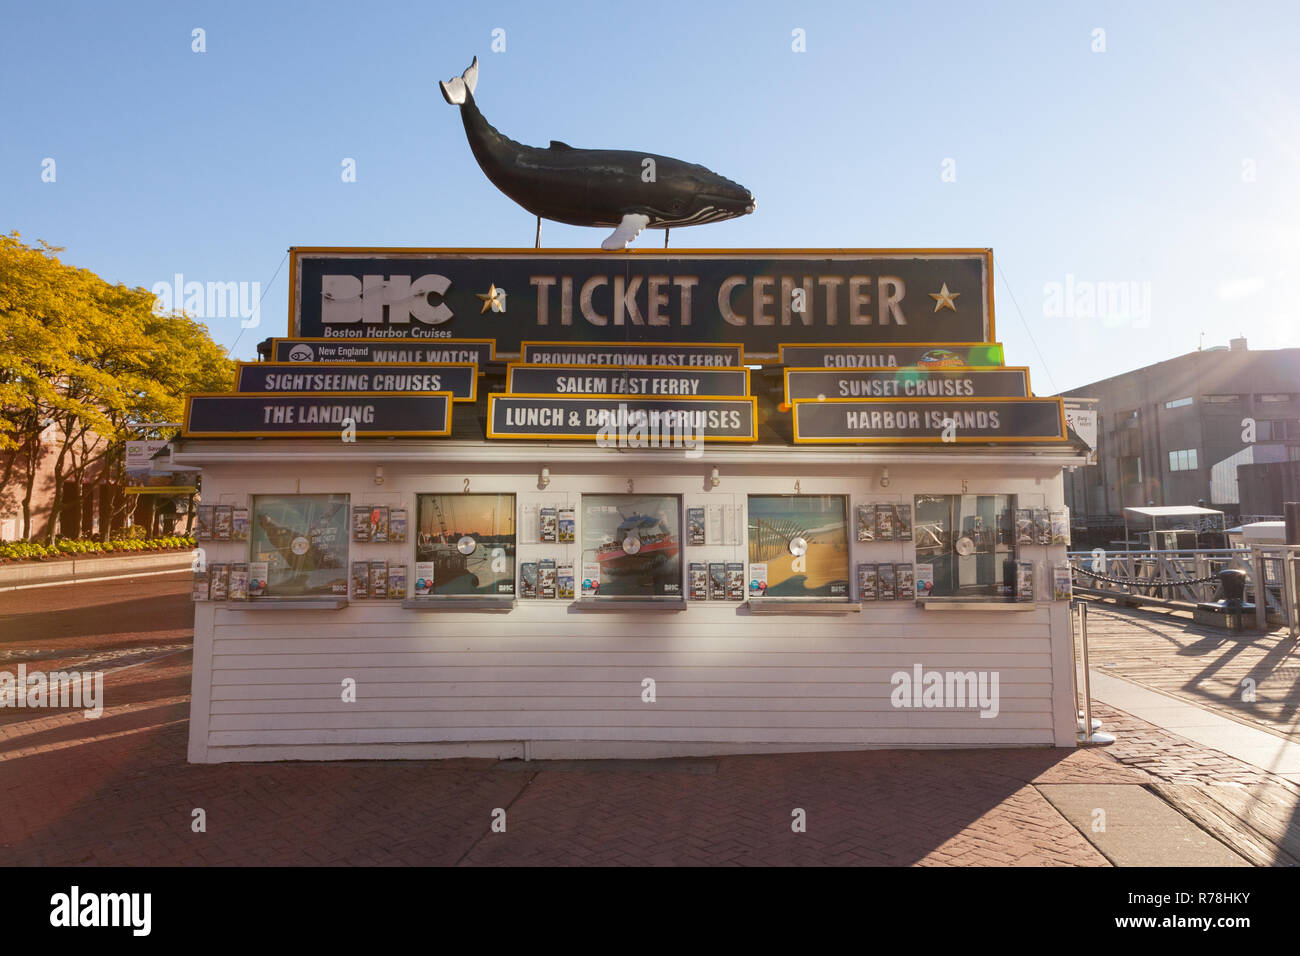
(877, 736)
(547, 679)
(473, 693)
(428, 702)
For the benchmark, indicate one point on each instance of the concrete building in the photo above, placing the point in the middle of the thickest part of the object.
(1176, 432)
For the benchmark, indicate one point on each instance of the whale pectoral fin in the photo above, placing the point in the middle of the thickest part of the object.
(556, 144)
(631, 226)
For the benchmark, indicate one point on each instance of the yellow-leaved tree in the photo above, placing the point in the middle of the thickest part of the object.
(83, 363)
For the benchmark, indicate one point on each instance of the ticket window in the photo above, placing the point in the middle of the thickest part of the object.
(968, 540)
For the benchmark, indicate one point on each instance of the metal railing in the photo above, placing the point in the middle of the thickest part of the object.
(1186, 578)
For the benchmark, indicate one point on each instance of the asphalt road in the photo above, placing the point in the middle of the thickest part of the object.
(104, 623)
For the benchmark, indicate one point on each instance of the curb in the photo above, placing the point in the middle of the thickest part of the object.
(36, 572)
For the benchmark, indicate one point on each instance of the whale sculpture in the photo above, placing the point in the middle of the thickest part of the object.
(618, 188)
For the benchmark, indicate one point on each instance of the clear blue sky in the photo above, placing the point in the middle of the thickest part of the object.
(1169, 160)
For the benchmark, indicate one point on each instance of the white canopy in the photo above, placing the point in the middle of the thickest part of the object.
(1173, 511)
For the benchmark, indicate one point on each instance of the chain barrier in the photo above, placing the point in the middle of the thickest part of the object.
(1148, 583)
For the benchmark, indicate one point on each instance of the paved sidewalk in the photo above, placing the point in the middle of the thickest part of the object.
(1258, 748)
(1166, 651)
(117, 790)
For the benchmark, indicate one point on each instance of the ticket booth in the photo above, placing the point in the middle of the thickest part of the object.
(647, 508)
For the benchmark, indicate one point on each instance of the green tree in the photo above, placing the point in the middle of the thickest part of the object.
(87, 362)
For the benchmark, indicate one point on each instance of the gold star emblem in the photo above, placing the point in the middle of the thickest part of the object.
(943, 298)
(494, 299)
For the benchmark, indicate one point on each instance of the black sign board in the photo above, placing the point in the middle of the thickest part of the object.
(316, 415)
(623, 422)
(929, 421)
(391, 351)
(603, 353)
(637, 380)
(761, 297)
(905, 383)
(460, 380)
(858, 355)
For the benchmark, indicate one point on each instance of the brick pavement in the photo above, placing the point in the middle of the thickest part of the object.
(117, 790)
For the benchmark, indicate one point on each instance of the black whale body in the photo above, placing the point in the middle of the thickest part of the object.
(596, 187)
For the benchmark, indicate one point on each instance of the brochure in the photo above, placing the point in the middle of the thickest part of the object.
(218, 581)
(379, 523)
(203, 524)
(886, 582)
(699, 578)
(924, 580)
(884, 522)
(257, 577)
(695, 525)
(1024, 526)
(360, 580)
(397, 581)
(904, 582)
(1024, 580)
(735, 581)
(546, 578)
(528, 579)
(866, 523)
(903, 513)
(1060, 523)
(238, 582)
(378, 579)
(866, 582)
(757, 579)
(549, 533)
(717, 581)
(397, 525)
(591, 579)
(566, 524)
(564, 582)
(1042, 527)
(360, 523)
(1062, 588)
(423, 578)
(239, 524)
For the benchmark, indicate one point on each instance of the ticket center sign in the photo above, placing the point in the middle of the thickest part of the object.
(761, 298)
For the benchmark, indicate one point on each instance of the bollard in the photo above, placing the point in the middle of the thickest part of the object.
(1088, 736)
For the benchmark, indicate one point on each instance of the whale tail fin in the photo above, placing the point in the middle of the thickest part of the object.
(454, 90)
